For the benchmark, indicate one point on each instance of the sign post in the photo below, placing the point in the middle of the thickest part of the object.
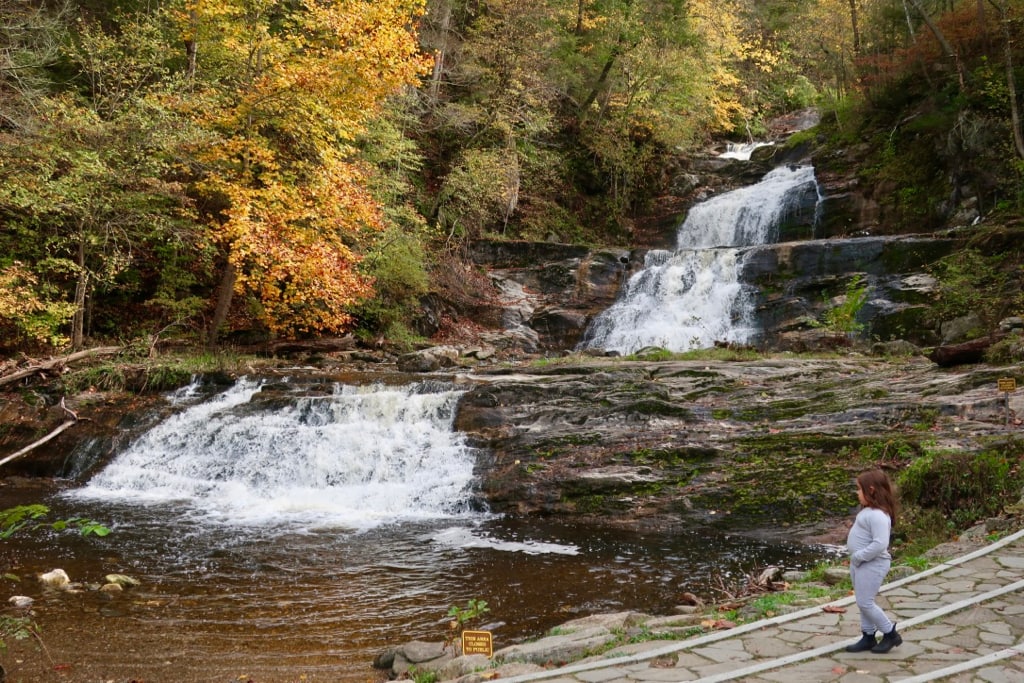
(1007, 385)
(477, 643)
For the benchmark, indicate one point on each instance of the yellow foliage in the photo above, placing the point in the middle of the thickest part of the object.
(26, 312)
(728, 46)
(282, 93)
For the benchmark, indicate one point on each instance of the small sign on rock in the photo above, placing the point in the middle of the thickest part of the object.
(477, 643)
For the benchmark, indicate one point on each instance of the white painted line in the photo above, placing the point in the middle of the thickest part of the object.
(961, 667)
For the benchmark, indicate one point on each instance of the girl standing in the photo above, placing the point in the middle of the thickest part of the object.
(868, 547)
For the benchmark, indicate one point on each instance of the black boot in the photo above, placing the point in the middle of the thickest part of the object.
(866, 642)
(889, 641)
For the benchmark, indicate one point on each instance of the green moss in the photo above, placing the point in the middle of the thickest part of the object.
(653, 406)
(792, 478)
(671, 457)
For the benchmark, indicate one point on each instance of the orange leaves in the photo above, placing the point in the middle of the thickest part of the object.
(285, 86)
(717, 624)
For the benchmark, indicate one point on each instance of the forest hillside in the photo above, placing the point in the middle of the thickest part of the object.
(200, 173)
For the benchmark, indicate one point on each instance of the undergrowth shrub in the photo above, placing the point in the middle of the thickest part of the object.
(1006, 351)
(963, 487)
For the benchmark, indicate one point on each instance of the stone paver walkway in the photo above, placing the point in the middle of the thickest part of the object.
(961, 621)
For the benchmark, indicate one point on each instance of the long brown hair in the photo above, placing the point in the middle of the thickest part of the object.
(879, 492)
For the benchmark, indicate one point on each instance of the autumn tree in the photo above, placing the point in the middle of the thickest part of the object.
(280, 91)
(82, 181)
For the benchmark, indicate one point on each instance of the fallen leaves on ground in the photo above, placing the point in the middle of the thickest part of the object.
(718, 624)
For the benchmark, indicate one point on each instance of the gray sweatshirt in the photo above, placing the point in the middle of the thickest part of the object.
(869, 536)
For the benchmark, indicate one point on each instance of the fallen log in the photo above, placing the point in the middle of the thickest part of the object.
(59, 362)
(40, 442)
(965, 353)
(323, 345)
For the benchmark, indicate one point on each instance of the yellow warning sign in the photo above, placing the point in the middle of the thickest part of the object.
(1007, 384)
(477, 643)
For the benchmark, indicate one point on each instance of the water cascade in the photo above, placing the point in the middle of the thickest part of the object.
(691, 298)
(342, 456)
(742, 151)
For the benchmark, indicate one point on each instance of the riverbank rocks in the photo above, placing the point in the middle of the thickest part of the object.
(57, 579)
(415, 655)
(564, 644)
(429, 360)
(711, 443)
(122, 580)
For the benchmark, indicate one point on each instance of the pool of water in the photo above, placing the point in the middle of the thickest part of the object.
(221, 602)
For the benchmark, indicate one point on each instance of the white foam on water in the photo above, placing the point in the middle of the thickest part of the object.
(463, 538)
(357, 458)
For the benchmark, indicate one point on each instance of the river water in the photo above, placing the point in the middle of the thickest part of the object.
(291, 531)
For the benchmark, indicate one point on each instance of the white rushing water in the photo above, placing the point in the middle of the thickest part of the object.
(692, 297)
(742, 151)
(358, 457)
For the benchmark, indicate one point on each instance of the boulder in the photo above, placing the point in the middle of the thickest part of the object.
(428, 360)
(122, 580)
(57, 578)
(415, 655)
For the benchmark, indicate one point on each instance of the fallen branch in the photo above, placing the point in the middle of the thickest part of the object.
(40, 442)
(59, 362)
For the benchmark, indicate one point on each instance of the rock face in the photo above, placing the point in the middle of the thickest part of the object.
(548, 292)
(547, 306)
(770, 444)
(797, 281)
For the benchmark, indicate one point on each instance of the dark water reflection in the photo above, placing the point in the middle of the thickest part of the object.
(274, 604)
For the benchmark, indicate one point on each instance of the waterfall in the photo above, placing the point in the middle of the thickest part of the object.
(692, 297)
(742, 151)
(354, 456)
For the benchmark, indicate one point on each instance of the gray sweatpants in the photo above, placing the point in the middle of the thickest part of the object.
(867, 579)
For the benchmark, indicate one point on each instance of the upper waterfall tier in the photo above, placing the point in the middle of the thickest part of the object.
(692, 298)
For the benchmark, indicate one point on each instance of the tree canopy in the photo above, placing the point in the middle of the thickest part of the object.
(293, 168)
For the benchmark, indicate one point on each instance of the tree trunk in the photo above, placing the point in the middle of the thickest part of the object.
(910, 24)
(78, 320)
(1011, 80)
(59, 362)
(321, 345)
(599, 84)
(983, 23)
(192, 45)
(856, 27)
(225, 292)
(441, 51)
(40, 442)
